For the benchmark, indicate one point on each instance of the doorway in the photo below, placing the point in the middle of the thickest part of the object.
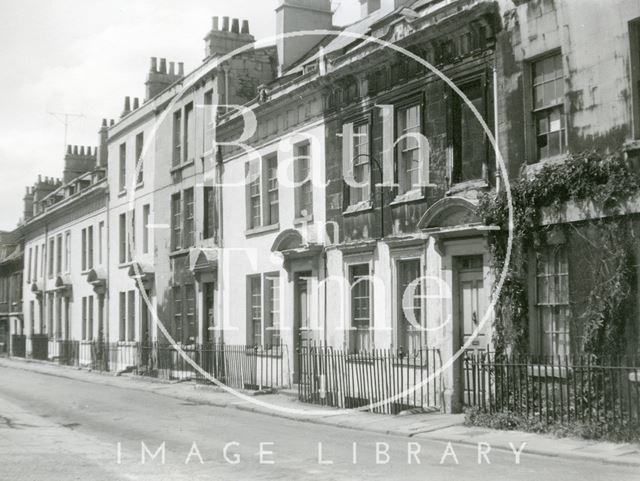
(471, 306)
(302, 333)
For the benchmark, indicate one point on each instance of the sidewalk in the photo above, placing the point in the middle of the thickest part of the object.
(431, 426)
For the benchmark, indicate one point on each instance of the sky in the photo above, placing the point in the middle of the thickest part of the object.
(83, 57)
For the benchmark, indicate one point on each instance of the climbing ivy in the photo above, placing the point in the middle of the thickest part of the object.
(605, 181)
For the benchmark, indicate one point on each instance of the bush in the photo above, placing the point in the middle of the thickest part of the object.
(595, 430)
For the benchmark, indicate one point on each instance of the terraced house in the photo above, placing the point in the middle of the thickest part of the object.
(65, 240)
(330, 211)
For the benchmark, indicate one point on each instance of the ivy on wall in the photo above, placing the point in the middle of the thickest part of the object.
(606, 181)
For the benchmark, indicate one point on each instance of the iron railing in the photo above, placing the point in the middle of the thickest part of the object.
(555, 389)
(18, 345)
(69, 353)
(241, 367)
(40, 347)
(388, 381)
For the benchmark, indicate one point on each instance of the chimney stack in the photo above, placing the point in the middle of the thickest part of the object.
(127, 106)
(159, 79)
(79, 160)
(299, 15)
(27, 212)
(230, 37)
(102, 152)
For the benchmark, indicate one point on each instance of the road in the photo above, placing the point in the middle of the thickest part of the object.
(54, 429)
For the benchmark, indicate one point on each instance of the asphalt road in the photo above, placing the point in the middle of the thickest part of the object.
(61, 429)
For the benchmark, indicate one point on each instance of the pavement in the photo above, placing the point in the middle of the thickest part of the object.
(421, 427)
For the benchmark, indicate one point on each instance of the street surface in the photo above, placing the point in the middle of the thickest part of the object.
(58, 429)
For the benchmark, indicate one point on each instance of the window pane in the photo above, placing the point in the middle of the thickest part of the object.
(553, 301)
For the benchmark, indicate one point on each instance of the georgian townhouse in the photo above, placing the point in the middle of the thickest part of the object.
(11, 321)
(318, 260)
(407, 162)
(563, 94)
(65, 241)
(164, 212)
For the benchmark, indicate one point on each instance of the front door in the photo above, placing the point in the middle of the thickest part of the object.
(301, 318)
(472, 307)
(208, 324)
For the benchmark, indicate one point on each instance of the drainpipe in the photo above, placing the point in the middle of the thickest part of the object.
(106, 296)
(496, 132)
(326, 274)
(220, 238)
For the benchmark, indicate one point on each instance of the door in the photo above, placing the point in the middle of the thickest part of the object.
(472, 307)
(301, 318)
(146, 333)
(408, 302)
(208, 324)
(472, 310)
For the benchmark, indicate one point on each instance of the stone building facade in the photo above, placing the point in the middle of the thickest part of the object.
(346, 214)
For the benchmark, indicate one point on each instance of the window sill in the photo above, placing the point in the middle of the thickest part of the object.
(303, 220)
(179, 167)
(125, 265)
(139, 185)
(127, 343)
(364, 206)
(261, 230)
(414, 195)
(122, 193)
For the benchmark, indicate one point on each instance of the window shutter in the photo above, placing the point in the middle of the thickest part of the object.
(388, 144)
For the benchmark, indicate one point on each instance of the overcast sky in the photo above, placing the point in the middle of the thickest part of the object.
(84, 57)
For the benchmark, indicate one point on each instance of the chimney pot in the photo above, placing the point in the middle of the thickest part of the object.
(75, 150)
(104, 122)
(181, 69)
(216, 21)
(225, 24)
(154, 64)
(127, 104)
(245, 27)
(235, 26)
(136, 103)
(82, 150)
(163, 65)
(172, 68)
(69, 150)
(113, 122)
(39, 178)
